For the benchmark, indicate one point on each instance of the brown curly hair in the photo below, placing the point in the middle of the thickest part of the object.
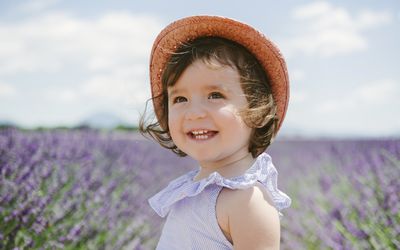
(261, 111)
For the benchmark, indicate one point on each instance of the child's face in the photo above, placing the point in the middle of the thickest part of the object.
(203, 113)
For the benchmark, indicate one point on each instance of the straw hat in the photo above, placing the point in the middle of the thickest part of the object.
(190, 28)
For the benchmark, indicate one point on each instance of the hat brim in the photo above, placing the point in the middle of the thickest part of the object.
(190, 28)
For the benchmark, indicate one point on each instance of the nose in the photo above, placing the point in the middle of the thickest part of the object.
(195, 111)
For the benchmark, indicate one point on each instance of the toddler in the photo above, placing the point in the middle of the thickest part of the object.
(220, 92)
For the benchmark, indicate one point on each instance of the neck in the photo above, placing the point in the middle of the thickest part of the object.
(227, 168)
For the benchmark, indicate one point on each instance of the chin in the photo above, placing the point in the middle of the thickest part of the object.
(201, 156)
(208, 158)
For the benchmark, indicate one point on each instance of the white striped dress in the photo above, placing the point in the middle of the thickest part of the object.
(190, 205)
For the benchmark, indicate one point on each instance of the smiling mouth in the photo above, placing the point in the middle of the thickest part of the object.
(201, 134)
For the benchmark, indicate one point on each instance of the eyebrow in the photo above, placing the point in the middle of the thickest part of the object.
(174, 91)
(218, 87)
(221, 87)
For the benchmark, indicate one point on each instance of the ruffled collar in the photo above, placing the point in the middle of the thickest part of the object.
(184, 186)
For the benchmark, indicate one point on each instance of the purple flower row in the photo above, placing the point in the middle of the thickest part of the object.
(89, 189)
(345, 193)
(78, 188)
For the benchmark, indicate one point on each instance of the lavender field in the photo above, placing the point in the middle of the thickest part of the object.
(87, 189)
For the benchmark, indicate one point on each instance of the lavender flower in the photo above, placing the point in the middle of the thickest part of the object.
(89, 189)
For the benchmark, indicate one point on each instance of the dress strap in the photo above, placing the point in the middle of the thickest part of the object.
(262, 170)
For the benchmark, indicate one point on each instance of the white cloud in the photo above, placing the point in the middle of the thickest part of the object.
(368, 109)
(297, 93)
(364, 98)
(72, 66)
(61, 94)
(51, 41)
(7, 90)
(371, 19)
(326, 30)
(297, 75)
(129, 85)
(36, 5)
(312, 10)
(298, 97)
(371, 109)
(378, 92)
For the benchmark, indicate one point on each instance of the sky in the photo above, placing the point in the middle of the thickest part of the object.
(62, 61)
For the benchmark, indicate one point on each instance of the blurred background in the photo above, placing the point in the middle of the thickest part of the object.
(69, 63)
(74, 174)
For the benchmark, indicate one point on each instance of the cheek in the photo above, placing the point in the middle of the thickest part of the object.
(230, 114)
(172, 123)
(232, 117)
(171, 118)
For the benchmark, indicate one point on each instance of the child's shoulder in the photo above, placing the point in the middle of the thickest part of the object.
(255, 195)
(246, 210)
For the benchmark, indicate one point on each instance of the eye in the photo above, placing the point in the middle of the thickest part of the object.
(215, 95)
(179, 99)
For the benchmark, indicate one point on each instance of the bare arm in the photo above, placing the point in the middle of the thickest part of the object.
(253, 220)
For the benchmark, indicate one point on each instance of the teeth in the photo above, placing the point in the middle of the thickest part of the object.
(199, 132)
(201, 137)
